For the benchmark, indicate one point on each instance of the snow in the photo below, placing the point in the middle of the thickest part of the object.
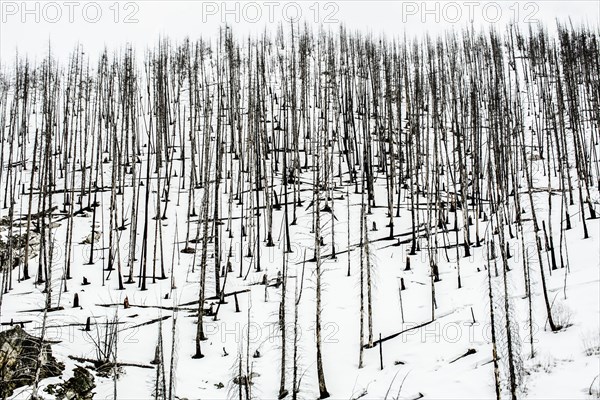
(420, 361)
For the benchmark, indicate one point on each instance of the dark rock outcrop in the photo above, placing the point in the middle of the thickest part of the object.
(79, 387)
(21, 354)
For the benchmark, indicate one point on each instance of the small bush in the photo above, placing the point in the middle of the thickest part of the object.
(562, 315)
(591, 344)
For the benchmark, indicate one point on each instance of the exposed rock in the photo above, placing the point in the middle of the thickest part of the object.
(92, 237)
(245, 379)
(20, 353)
(14, 246)
(79, 387)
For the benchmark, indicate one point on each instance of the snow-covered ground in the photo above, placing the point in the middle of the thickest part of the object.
(424, 360)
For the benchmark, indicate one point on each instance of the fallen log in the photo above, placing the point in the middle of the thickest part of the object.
(467, 353)
(152, 321)
(375, 343)
(170, 308)
(215, 297)
(106, 365)
(412, 328)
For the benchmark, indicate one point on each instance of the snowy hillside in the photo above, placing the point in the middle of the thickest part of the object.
(304, 214)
